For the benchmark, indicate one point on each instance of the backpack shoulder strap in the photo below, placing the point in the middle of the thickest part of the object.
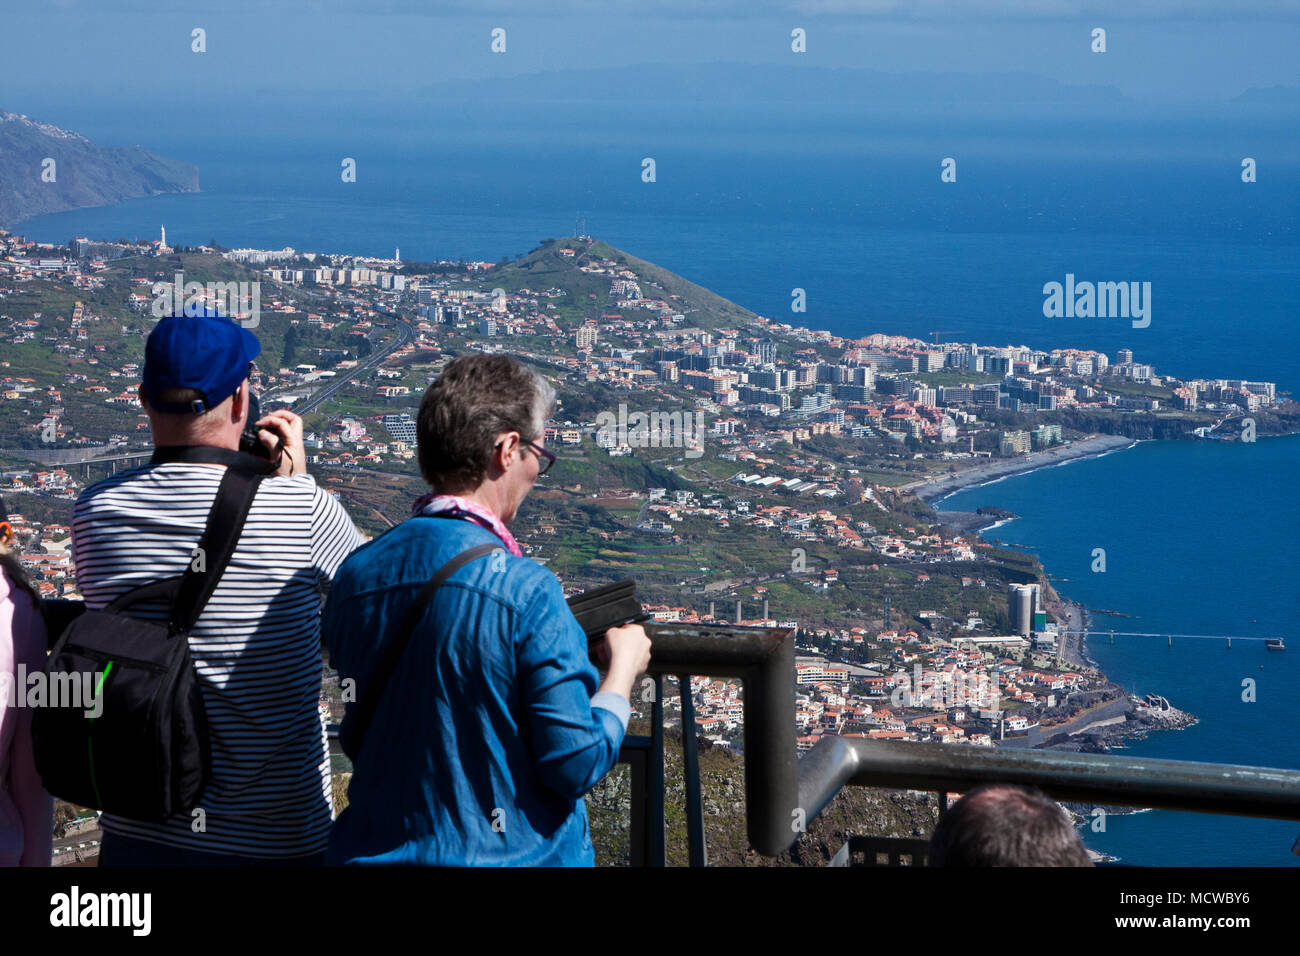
(188, 593)
(392, 653)
(216, 547)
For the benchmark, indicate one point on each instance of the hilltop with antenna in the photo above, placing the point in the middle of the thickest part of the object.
(583, 267)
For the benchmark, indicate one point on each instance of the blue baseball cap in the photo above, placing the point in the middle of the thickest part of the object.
(208, 353)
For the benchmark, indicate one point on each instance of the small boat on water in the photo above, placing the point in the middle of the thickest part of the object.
(1274, 644)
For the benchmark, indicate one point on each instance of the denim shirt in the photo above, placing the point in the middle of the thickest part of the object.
(490, 731)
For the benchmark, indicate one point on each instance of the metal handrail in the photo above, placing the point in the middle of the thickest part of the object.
(784, 793)
(1100, 779)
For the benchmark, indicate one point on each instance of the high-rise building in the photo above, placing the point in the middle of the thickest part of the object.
(1124, 356)
(835, 374)
(699, 362)
(853, 393)
(890, 361)
(998, 364)
(1022, 605)
(924, 395)
(1014, 443)
(1044, 436)
(896, 385)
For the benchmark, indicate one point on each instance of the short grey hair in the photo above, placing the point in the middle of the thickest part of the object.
(476, 398)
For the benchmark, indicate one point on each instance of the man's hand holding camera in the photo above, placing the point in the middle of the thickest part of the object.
(281, 433)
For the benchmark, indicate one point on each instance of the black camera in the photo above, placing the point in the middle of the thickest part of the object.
(249, 442)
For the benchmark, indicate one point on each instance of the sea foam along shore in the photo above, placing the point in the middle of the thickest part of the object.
(931, 489)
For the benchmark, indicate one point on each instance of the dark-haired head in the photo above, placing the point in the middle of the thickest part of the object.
(1003, 825)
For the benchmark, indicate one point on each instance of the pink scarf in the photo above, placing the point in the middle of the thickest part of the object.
(454, 506)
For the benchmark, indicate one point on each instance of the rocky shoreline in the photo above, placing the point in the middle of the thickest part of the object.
(1139, 720)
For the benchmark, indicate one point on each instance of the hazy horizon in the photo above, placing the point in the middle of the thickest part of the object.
(1156, 52)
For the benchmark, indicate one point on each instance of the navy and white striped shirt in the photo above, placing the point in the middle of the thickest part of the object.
(256, 646)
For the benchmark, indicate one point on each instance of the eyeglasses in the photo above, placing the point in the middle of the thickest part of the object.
(545, 458)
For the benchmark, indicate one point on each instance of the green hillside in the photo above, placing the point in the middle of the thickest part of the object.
(545, 267)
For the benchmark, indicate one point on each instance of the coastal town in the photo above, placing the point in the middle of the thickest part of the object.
(744, 470)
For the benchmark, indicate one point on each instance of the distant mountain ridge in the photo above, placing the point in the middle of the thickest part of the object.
(82, 174)
(768, 85)
(1270, 95)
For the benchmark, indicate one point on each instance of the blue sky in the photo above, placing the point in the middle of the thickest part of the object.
(1157, 52)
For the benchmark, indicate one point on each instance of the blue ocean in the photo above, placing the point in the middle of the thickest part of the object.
(1201, 538)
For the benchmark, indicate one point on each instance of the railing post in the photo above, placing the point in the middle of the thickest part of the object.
(634, 753)
(655, 822)
(771, 761)
(691, 767)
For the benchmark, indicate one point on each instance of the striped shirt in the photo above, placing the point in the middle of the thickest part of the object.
(256, 646)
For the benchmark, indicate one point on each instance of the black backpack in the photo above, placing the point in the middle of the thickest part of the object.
(145, 756)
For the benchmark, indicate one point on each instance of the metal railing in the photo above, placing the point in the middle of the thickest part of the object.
(763, 659)
(782, 790)
(1099, 779)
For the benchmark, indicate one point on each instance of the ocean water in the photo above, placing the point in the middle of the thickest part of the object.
(857, 218)
(1200, 537)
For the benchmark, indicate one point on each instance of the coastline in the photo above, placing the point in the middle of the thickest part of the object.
(1108, 729)
(935, 488)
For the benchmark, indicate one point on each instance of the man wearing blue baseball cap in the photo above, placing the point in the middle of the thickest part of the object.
(256, 645)
(192, 366)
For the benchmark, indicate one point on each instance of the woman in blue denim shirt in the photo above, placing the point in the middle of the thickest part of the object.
(492, 727)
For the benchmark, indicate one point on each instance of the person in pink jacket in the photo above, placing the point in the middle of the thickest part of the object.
(26, 810)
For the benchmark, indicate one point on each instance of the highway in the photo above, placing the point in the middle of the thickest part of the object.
(405, 335)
